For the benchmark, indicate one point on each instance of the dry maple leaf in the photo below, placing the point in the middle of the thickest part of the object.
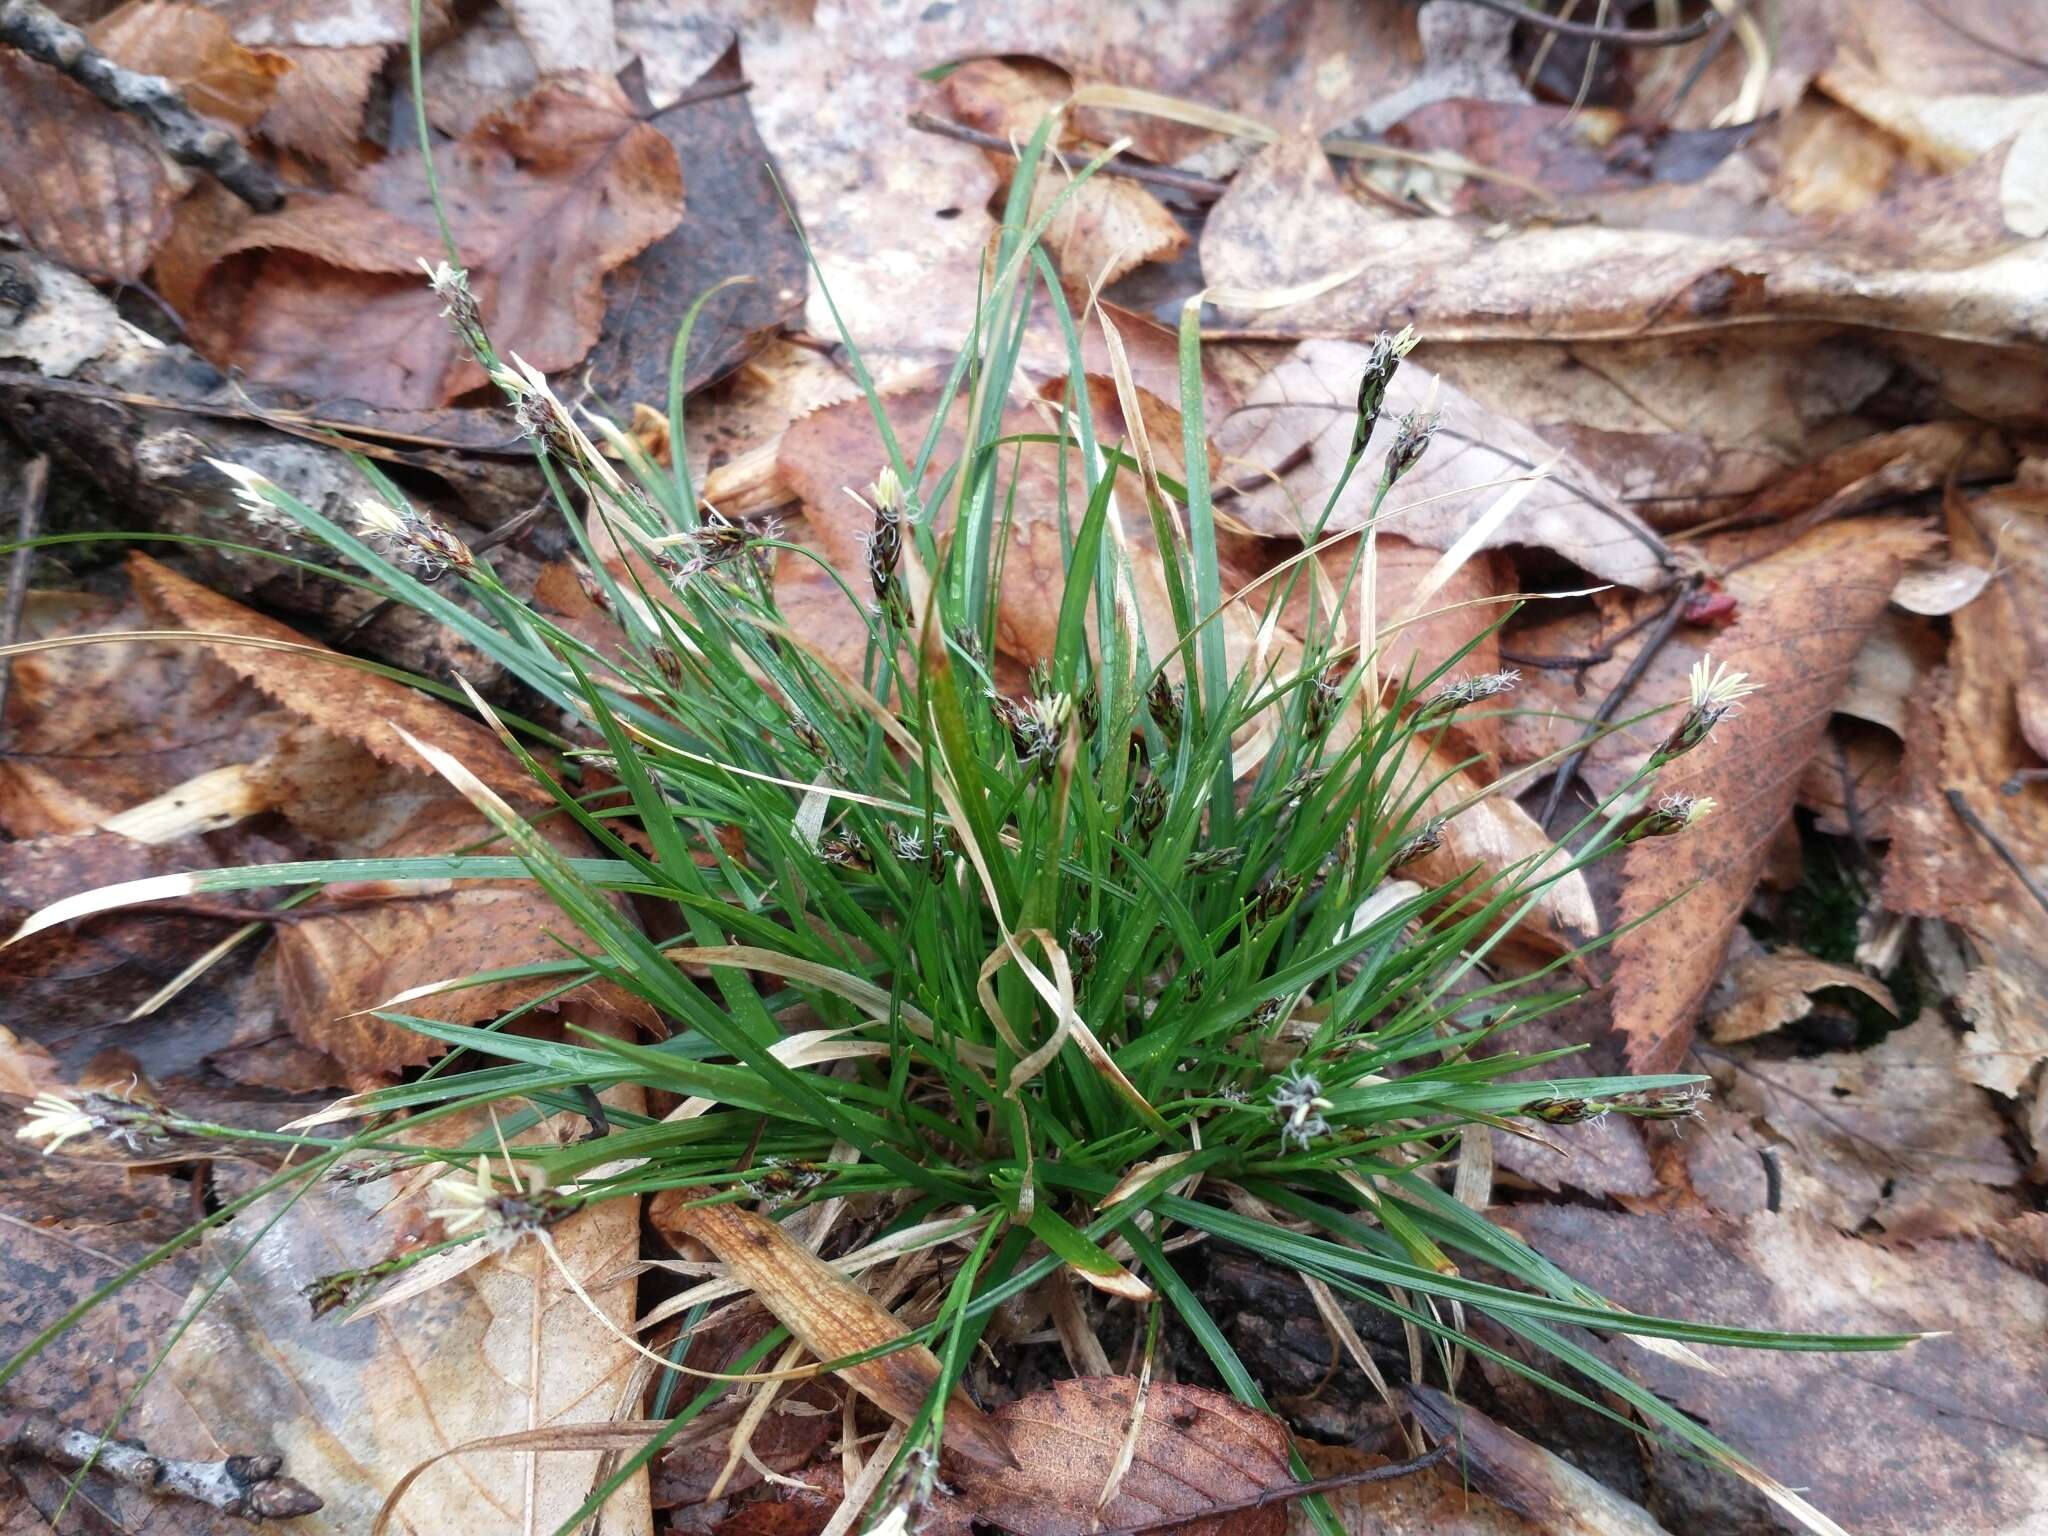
(327, 297)
(1892, 1133)
(502, 1347)
(1805, 610)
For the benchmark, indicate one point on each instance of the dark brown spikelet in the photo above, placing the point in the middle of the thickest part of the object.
(845, 852)
(1167, 701)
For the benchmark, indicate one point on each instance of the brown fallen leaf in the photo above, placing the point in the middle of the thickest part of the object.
(1892, 1134)
(1803, 613)
(93, 730)
(1285, 447)
(725, 167)
(329, 970)
(1109, 226)
(503, 1347)
(1685, 427)
(1195, 1449)
(342, 700)
(71, 1227)
(319, 108)
(831, 1316)
(1284, 223)
(327, 296)
(193, 48)
(71, 990)
(1928, 77)
(1954, 1420)
(1773, 990)
(1567, 154)
(83, 183)
(1966, 746)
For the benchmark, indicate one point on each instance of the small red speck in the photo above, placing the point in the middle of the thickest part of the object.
(1710, 605)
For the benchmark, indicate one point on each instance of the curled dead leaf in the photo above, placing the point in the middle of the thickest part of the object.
(1773, 990)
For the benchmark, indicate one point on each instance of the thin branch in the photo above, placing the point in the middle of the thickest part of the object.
(186, 136)
(1568, 770)
(252, 1487)
(1620, 37)
(1292, 1491)
(1201, 188)
(1976, 824)
(35, 480)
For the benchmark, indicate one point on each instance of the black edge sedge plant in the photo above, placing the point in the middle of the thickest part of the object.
(1128, 958)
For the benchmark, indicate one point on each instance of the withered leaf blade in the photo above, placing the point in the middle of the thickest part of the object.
(831, 1316)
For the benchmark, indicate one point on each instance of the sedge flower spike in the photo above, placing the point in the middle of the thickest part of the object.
(459, 308)
(1672, 814)
(1298, 1101)
(1418, 428)
(1380, 364)
(420, 541)
(1716, 693)
(54, 1120)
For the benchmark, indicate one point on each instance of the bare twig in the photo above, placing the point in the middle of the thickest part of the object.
(1274, 1496)
(35, 480)
(1568, 770)
(186, 136)
(250, 1486)
(1201, 188)
(1620, 37)
(1976, 824)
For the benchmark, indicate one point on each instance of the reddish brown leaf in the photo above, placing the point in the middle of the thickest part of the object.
(1805, 610)
(1195, 1449)
(329, 969)
(318, 111)
(342, 700)
(86, 185)
(192, 47)
(327, 295)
